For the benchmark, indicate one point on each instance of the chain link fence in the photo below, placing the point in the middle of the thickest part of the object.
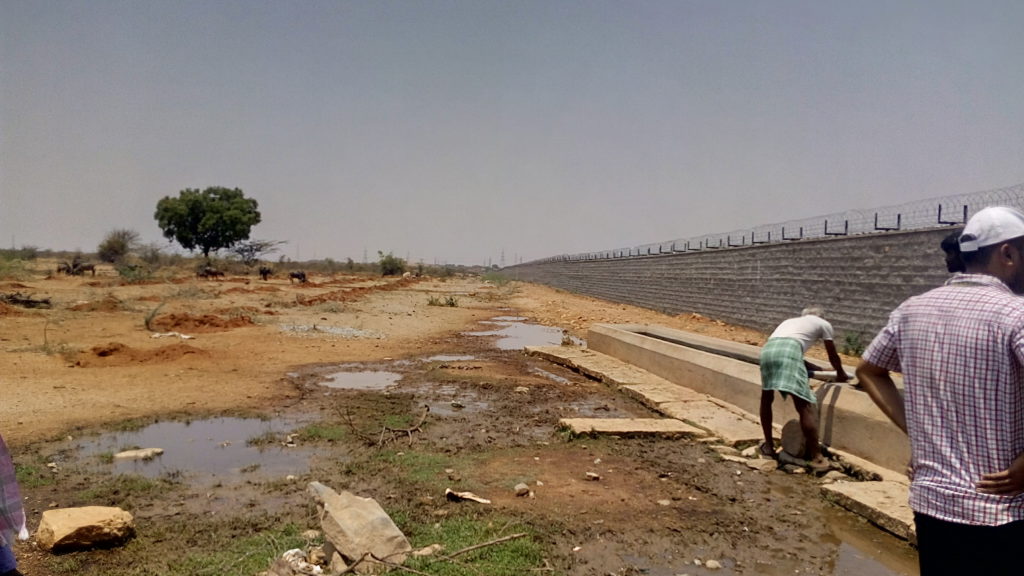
(933, 213)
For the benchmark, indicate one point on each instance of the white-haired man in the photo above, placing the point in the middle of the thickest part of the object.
(960, 348)
(784, 370)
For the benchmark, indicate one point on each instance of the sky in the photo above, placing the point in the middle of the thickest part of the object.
(493, 132)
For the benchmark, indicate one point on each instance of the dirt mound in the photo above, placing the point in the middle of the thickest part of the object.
(12, 285)
(118, 354)
(357, 293)
(108, 304)
(197, 323)
(241, 290)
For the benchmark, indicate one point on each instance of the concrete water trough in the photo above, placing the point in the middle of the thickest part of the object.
(849, 421)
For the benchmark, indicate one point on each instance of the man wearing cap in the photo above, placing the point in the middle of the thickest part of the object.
(960, 348)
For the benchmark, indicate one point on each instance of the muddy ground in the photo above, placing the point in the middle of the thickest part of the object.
(344, 369)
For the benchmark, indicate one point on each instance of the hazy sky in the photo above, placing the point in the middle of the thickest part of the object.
(455, 131)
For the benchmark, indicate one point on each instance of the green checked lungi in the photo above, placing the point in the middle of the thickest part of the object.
(783, 369)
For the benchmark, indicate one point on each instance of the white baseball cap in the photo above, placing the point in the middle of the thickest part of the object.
(990, 226)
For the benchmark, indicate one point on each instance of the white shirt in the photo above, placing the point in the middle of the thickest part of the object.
(806, 329)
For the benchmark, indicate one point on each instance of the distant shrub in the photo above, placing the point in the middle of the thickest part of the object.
(390, 265)
(853, 344)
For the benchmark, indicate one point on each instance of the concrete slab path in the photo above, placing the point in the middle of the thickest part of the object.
(633, 427)
(885, 502)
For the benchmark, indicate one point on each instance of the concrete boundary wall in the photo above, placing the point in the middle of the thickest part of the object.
(858, 279)
(850, 421)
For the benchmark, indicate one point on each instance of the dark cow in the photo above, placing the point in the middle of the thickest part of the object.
(209, 272)
(297, 275)
(265, 272)
(79, 269)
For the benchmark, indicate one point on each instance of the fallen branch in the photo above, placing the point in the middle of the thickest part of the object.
(484, 545)
(409, 431)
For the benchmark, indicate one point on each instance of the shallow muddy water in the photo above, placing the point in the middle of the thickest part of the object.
(217, 448)
(514, 334)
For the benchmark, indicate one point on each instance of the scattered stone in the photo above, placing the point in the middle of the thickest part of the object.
(723, 449)
(428, 550)
(522, 489)
(833, 476)
(665, 502)
(522, 389)
(763, 464)
(712, 564)
(139, 454)
(793, 469)
(793, 438)
(353, 526)
(65, 529)
(310, 535)
(750, 452)
(293, 562)
(593, 476)
(460, 496)
(731, 458)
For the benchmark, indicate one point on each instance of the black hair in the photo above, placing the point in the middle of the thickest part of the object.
(951, 246)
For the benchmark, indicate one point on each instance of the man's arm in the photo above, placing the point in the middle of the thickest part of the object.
(837, 364)
(879, 385)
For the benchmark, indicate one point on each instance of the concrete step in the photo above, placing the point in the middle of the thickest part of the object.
(631, 427)
(884, 503)
(675, 401)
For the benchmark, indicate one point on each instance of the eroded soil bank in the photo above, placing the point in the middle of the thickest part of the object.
(361, 384)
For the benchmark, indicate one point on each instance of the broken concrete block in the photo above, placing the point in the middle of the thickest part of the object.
(82, 528)
(356, 526)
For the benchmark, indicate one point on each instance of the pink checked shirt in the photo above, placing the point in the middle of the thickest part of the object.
(960, 348)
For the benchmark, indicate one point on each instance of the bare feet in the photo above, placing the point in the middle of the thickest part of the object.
(766, 450)
(819, 465)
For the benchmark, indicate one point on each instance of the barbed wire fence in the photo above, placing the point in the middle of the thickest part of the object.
(948, 211)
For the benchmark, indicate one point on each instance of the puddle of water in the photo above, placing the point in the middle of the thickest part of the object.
(205, 448)
(368, 380)
(514, 335)
(549, 375)
(343, 331)
(450, 358)
(509, 319)
(865, 550)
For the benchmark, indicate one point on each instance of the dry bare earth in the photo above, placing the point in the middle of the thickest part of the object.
(89, 364)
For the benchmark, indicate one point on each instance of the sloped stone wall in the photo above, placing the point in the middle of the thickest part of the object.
(859, 280)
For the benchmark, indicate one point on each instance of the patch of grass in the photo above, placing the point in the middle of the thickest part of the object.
(134, 273)
(449, 301)
(511, 558)
(244, 556)
(105, 457)
(30, 476)
(496, 278)
(65, 564)
(121, 489)
(420, 467)
(14, 270)
(321, 431)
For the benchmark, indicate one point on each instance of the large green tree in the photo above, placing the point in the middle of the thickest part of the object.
(207, 221)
